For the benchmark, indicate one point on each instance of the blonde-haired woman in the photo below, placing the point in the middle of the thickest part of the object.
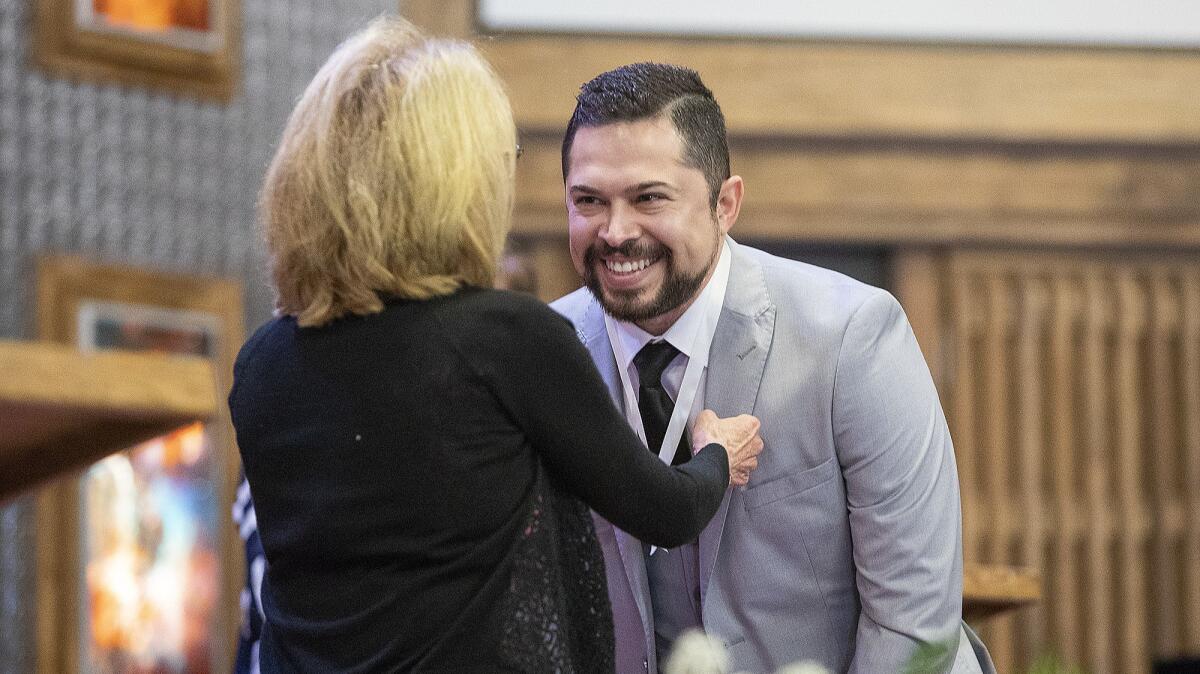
(422, 451)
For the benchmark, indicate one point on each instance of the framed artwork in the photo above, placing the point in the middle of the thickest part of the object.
(138, 562)
(188, 46)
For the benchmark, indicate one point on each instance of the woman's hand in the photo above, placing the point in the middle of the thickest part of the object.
(738, 435)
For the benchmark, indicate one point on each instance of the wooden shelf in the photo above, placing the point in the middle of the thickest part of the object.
(989, 589)
(61, 410)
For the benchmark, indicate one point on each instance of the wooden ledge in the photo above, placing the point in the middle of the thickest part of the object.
(61, 409)
(992, 589)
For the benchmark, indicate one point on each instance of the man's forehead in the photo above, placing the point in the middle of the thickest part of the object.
(643, 149)
(627, 178)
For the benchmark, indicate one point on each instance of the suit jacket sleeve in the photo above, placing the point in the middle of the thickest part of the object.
(902, 490)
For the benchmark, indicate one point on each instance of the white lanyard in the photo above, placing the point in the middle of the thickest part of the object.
(688, 389)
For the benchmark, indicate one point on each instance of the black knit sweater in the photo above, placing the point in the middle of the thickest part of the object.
(422, 478)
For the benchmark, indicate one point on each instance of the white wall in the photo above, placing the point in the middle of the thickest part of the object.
(1161, 23)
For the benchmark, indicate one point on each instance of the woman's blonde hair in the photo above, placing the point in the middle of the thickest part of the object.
(394, 176)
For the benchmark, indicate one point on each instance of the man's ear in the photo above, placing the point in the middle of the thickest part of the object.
(729, 202)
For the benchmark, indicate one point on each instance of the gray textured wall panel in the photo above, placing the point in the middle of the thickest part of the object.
(142, 177)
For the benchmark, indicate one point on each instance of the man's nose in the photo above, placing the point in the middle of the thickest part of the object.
(622, 226)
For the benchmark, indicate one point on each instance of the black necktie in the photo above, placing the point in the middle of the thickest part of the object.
(654, 404)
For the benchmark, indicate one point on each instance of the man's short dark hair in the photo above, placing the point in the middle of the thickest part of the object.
(642, 91)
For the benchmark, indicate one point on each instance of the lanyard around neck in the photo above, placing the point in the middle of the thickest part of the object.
(688, 389)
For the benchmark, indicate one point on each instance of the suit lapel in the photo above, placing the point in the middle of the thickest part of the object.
(736, 361)
(595, 338)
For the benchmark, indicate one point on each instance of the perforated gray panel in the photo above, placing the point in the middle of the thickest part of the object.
(140, 177)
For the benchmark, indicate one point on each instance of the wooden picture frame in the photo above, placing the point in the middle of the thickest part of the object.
(101, 306)
(190, 47)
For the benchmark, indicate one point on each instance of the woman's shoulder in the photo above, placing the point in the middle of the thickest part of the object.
(270, 331)
(505, 308)
(500, 326)
(500, 299)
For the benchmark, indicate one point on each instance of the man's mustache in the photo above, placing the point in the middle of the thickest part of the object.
(629, 249)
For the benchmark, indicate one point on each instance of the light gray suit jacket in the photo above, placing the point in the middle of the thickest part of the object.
(845, 547)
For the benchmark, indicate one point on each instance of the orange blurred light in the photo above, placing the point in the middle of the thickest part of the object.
(154, 14)
(183, 447)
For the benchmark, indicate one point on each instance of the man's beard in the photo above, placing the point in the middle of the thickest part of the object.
(677, 288)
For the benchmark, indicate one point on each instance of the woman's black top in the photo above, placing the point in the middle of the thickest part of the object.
(422, 479)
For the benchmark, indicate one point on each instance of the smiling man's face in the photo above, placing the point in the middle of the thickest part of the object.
(643, 234)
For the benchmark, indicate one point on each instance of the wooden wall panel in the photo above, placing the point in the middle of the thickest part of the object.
(921, 193)
(788, 87)
(796, 88)
(1072, 399)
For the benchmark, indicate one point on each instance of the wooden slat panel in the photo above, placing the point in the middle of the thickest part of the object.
(1133, 650)
(1029, 433)
(996, 452)
(1065, 608)
(964, 299)
(1164, 461)
(1190, 394)
(916, 282)
(1104, 384)
(1097, 462)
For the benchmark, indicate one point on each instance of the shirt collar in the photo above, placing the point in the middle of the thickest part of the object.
(700, 317)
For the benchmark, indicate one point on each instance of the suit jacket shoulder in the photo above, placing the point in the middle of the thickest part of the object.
(809, 300)
(583, 311)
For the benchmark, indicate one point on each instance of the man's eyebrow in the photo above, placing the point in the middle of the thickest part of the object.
(650, 185)
(640, 187)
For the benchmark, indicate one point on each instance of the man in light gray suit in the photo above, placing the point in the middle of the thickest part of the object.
(845, 546)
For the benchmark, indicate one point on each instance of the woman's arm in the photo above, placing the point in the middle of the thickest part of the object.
(546, 380)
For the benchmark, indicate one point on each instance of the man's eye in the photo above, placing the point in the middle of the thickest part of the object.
(651, 197)
(586, 201)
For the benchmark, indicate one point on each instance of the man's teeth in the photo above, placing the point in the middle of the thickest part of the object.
(626, 267)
